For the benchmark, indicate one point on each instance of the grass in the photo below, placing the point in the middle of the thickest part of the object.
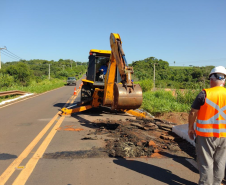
(160, 101)
(45, 85)
(155, 102)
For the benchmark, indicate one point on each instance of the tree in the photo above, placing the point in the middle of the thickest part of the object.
(21, 73)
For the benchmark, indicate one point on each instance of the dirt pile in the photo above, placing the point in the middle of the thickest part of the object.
(128, 144)
(141, 137)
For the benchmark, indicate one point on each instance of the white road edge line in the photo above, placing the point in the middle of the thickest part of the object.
(29, 97)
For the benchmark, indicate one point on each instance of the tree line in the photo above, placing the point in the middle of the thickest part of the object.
(24, 71)
(171, 77)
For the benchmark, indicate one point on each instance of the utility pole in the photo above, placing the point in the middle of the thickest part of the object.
(71, 64)
(154, 76)
(63, 67)
(49, 71)
(0, 57)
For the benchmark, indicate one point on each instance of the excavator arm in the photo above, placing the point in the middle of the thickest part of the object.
(125, 95)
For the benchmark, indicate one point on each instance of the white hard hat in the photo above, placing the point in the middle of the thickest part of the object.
(218, 69)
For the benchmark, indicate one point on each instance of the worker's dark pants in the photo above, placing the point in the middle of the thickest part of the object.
(211, 159)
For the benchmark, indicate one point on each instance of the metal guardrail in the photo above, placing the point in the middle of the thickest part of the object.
(15, 92)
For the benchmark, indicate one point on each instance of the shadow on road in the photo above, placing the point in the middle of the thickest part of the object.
(94, 112)
(91, 112)
(153, 171)
(180, 160)
(4, 156)
(60, 105)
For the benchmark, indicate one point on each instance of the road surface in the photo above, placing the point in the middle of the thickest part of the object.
(39, 147)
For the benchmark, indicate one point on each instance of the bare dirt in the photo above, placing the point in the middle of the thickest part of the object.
(132, 137)
(144, 137)
(179, 118)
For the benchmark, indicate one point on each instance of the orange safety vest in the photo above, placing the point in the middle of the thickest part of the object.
(211, 120)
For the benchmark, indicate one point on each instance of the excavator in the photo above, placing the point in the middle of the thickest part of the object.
(116, 90)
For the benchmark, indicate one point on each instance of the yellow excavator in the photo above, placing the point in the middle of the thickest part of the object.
(116, 90)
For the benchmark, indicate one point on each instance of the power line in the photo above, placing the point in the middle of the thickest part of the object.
(12, 53)
(8, 54)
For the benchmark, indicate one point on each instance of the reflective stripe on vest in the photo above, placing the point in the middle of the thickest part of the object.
(214, 123)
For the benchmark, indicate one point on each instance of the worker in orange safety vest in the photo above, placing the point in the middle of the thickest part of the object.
(209, 131)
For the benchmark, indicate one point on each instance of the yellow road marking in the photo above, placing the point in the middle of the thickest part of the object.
(26, 172)
(20, 167)
(75, 96)
(11, 168)
(9, 171)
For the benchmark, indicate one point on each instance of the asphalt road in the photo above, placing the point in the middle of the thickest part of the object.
(39, 147)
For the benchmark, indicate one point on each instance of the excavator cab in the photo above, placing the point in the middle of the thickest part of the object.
(95, 77)
(97, 59)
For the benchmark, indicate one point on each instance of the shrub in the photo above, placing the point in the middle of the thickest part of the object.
(38, 79)
(158, 102)
(186, 96)
(6, 80)
(21, 73)
(62, 74)
(146, 85)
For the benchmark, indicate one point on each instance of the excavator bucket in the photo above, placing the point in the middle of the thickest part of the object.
(127, 97)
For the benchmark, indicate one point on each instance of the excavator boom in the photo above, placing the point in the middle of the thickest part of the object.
(124, 95)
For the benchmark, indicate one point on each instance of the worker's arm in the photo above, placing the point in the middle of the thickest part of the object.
(191, 120)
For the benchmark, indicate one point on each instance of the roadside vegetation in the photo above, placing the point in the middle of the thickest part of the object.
(184, 83)
(175, 87)
(166, 76)
(161, 101)
(33, 75)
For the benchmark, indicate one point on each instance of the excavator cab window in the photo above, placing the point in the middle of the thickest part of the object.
(101, 67)
(97, 68)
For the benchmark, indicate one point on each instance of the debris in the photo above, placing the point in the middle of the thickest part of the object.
(160, 125)
(167, 137)
(139, 143)
(89, 138)
(137, 125)
(141, 137)
(70, 128)
(156, 151)
(152, 143)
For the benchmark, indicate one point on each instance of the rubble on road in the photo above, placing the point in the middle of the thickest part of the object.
(141, 137)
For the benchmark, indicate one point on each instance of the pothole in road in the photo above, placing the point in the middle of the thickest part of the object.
(93, 153)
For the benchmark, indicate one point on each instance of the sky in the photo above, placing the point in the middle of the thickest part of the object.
(189, 32)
